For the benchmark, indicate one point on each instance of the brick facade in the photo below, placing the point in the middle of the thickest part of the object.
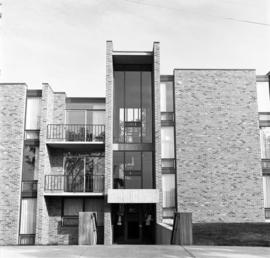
(12, 119)
(219, 176)
(108, 142)
(157, 136)
(47, 107)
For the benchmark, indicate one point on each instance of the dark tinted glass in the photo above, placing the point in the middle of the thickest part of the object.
(133, 161)
(132, 89)
(146, 107)
(29, 162)
(147, 170)
(132, 107)
(118, 104)
(118, 170)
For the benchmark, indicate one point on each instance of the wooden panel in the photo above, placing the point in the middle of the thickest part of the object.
(186, 228)
(87, 229)
(182, 229)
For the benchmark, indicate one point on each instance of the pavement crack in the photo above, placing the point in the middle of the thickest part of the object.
(188, 252)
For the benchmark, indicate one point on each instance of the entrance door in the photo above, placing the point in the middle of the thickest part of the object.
(133, 224)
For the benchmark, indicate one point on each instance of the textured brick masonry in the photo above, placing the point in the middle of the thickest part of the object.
(12, 113)
(217, 141)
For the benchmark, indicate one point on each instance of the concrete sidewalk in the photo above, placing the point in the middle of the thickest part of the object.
(133, 251)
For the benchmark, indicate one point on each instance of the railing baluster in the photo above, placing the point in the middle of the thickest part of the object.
(87, 183)
(76, 132)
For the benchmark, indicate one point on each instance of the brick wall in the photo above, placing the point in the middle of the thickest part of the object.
(157, 137)
(59, 108)
(237, 234)
(58, 234)
(47, 108)
(56, 161)
(217, 141)
(108, 141)
(12, 116)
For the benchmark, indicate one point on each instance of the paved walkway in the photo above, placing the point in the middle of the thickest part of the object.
(133, 251)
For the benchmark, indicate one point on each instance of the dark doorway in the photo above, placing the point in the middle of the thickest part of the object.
(133, 223)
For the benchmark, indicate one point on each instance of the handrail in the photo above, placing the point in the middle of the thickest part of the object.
(71, 183)
(76, 132)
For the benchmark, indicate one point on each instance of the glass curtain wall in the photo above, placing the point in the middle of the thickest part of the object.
(132, 170)
(132, 107)
(132, 124)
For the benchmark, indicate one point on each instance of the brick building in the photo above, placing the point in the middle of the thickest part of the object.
(157, 144)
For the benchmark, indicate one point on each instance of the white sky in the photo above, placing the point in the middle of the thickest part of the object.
(62, 42)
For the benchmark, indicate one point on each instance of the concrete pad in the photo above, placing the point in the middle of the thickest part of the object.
(228, 251)
(100, 251)
(133, 251)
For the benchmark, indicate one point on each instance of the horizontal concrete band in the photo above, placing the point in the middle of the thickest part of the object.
(133, 196)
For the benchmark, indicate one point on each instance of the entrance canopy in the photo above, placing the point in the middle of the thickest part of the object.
(133, 196)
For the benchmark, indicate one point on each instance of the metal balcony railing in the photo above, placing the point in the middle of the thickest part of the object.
(70, 183)
(76, 132)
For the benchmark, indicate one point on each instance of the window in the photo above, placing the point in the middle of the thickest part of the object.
(147, 170)
(166, 97)
(132, 170)
(168, 191)
(95, 117)
(33, 107)
(84, 173)
(28, 216)
(263, 97)
(132, 107)
(75, 117)
(74, 174)
(167, 142)
(266, 191)
(30, 162)
(265, 142)
(82, 117)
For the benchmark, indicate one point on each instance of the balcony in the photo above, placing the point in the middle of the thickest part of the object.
(65, 185)
(72, 136)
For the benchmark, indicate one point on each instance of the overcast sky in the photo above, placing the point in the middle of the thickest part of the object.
(62, 42)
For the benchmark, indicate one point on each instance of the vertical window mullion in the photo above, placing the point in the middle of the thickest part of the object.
(141, 105)
(84, 181)
(124, 140)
